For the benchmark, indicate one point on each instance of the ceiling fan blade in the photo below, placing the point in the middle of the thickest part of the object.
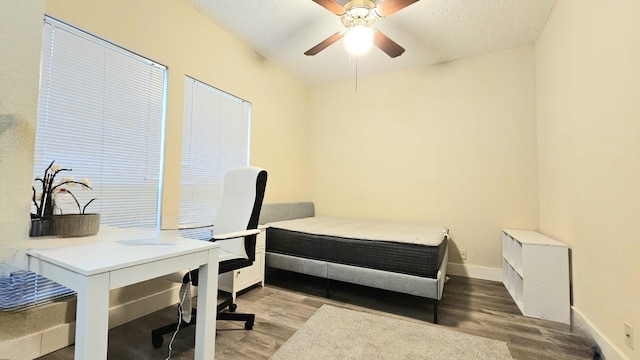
(324, 43)
(387, 45)
(332, 5)
(388, 7)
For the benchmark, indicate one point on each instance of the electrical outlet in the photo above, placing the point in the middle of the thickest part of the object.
(628, 335)
(463, 254)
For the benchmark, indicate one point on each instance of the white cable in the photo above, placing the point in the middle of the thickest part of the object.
(184, 295)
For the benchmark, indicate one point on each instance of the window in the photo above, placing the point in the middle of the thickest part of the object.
(101, 113)
(215, 140)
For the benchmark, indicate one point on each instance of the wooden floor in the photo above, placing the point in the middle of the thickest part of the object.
(472, 306)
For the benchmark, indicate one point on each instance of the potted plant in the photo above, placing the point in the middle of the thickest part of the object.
(45, 222)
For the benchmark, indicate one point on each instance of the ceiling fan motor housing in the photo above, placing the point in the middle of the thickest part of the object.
(359, 12)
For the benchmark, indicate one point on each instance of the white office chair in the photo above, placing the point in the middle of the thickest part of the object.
(235, 230)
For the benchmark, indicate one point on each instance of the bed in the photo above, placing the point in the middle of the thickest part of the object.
(405, 257)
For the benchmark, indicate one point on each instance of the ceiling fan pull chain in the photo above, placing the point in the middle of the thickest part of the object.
(356, 73)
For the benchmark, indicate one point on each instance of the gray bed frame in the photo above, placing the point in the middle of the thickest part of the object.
(409, 284)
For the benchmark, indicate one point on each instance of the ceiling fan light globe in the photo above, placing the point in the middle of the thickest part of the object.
(358, 39)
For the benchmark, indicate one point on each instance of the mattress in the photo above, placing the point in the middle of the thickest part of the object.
(400, 247)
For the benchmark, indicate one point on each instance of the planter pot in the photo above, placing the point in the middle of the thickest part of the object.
(40, 227)
(74, 225)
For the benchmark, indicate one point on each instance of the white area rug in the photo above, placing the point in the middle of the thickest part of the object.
(337, 333)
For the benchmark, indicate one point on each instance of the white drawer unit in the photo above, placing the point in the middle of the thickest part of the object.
(238, 280)
(535, 271)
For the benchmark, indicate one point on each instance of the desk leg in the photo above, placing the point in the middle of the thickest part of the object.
(207, 305)
(92, 318)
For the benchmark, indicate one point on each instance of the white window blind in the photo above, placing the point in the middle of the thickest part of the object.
(215, 139)
(100, 113)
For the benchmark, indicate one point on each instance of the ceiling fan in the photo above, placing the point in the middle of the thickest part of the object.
(358, 17)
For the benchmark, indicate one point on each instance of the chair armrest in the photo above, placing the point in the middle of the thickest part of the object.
(235, 234)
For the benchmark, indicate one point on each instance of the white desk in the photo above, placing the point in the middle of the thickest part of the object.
(118, 257)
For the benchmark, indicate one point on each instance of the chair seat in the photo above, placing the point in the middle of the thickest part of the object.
(227, 256)
(226, 262)
(224, 266)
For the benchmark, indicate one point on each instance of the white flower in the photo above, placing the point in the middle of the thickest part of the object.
(86, 182)
(67, 178)
(56, 168)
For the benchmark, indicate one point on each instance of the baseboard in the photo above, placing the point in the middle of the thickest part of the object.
(474, 271)
(57, 337)
(609, 351)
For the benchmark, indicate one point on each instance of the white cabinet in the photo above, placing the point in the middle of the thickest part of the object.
(238, 280)
(535, 271)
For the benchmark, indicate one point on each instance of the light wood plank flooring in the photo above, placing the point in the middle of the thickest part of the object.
(472, 306)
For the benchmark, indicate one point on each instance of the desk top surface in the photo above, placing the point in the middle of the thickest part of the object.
(114, 248)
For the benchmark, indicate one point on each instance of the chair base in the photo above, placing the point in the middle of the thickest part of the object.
(249, 320)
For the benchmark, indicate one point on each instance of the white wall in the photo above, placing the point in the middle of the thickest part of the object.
(588, 78)
(453, 144)
(20, 41)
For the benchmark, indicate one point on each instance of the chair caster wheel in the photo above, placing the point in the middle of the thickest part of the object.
(248, 325)
(157, 341)
(233, 307)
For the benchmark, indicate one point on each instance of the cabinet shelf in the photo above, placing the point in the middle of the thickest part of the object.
(535, 271)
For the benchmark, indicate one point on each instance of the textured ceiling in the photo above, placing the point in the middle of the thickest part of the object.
(431, 31)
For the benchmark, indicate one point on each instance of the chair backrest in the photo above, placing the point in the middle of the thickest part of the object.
(242, 198)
